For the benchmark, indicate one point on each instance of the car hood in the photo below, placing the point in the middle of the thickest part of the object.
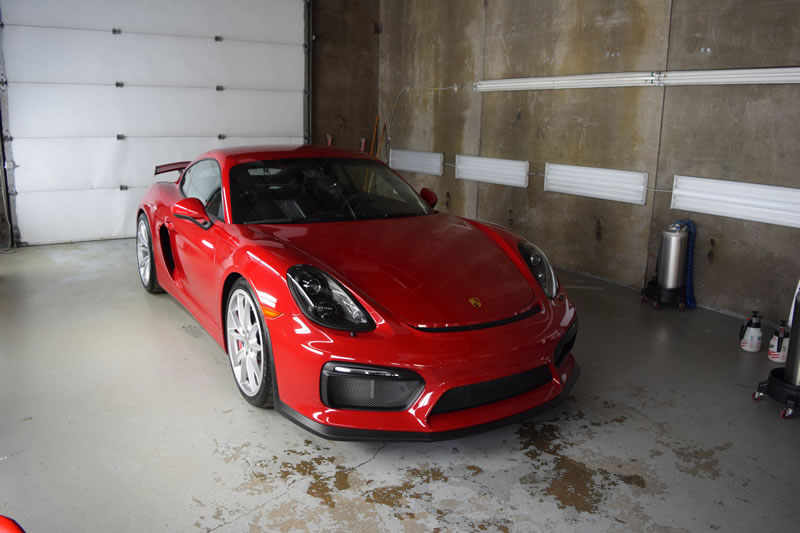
(435, 270)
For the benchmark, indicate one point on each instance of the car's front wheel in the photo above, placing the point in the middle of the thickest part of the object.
(248, 345)
(144, 255)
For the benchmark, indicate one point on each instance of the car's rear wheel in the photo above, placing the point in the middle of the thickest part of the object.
(248, 345)
(144, 255)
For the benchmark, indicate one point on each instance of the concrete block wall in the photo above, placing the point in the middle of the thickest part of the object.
(344, 71)
(746, 133)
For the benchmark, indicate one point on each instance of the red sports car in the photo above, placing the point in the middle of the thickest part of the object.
(344, 300)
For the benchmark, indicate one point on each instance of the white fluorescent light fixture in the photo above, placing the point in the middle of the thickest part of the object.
(607, 184)
(492, 170)
(423, 162)
(746, 201)
(582, 81)
(754, 76)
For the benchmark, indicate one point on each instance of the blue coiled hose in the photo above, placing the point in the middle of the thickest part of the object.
(691, 303)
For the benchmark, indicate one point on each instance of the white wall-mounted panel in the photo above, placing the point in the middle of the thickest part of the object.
(423, 162)
(40, 110)
(735, 199)
(64, 216)
(492, 170)
(74, 164)
(257, 20)
(604, 183)
(67, 56)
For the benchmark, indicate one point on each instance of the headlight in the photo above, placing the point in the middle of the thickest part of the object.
(540, 267)
(324, 301)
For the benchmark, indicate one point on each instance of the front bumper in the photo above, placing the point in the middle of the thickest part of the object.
(444, 361)
(355, 434)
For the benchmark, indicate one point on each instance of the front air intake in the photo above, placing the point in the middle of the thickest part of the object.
(566, 344)
(492, 391)
(368, 388)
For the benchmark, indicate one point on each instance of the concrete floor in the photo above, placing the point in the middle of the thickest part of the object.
(119, 413)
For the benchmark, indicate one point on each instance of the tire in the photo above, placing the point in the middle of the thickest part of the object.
(248, 346)
(145, 262)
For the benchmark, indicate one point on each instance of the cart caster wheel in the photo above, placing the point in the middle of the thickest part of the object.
(656, 304)
(757, 396)
(643, 298)
(786, 412)
(682, 306)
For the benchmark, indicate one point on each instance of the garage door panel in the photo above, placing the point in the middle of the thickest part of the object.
(257, 20)
(78, 164)
(42, 110)
(65, 114)
(89, 57)
(58, 216)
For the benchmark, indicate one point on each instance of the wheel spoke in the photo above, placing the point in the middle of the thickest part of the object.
(240, 353)
(251, 374)
(233, 318)
(243, 372)
(246, 318)
(256, 372)
(240, 311)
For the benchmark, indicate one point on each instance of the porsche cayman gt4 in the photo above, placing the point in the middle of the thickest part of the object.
(344, 300)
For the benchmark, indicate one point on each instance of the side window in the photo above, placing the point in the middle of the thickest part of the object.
(204, 182)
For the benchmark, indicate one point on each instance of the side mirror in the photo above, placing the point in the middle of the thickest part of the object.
(429, 196)
(191, 209)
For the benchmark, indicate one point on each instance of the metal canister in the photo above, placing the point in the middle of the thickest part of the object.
(792, 370)
(672, 260)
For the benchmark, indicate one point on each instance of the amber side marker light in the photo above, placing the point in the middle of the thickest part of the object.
(270, 313)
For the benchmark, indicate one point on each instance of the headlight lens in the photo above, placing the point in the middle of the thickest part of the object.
(324, 301)
(540, 267)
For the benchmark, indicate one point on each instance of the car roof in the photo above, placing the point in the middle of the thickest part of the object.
(245, 154)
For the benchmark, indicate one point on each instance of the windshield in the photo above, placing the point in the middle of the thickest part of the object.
(319, 190)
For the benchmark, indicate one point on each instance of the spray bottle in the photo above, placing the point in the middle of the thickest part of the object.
(750, 333)
(779, 344)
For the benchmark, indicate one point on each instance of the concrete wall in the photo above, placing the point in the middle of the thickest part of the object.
(739, 133)
(746, 133)
(3, 225)
(344, 71)
(434, 44)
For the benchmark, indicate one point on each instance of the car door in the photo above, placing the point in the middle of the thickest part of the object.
(195, 246)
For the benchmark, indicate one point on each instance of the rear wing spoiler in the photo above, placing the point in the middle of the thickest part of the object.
(169, 167)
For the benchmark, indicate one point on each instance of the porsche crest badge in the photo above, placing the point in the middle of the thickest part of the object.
(475, 302)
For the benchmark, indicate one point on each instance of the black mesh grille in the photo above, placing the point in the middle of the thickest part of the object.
(369, 392)
(492, 391)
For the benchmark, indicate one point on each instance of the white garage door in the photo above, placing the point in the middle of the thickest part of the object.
(101, 91)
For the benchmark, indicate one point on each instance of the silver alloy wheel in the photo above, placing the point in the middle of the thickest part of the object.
(245, 344)
(143, 251)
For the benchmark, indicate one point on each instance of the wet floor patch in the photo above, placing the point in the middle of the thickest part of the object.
(571, 470)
